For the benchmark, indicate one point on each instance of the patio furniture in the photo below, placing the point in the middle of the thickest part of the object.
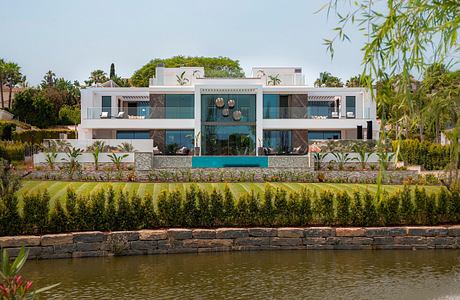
(183, 151)
(104, 115)
(156, 151)
(120, 115)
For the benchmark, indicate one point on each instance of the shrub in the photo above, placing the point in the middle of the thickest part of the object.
(13, 151)
(98, 213)
(305, 210)
(229, 207)
(111, 209)
(11, 221)
(407, 207)
(431, 216)
(389, 209)
(216, 208)
(326, 207)
(137, 213)
(370, 217)
(35, 213)
(204, 218)
(83, 219)
(429, 155)
(148, 211)
(6, 130)
(343, 208)
(253, 209)
(267, 210)
(58, 219)
(124, 212)
(36, 136)
(71, 208)
(281, 207)
(242, 210)
(356, 210)
(190, 207)
(420, 204)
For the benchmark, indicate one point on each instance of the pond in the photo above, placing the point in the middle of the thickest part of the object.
(300, 274)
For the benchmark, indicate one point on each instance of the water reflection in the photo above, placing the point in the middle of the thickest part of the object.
(256, 275)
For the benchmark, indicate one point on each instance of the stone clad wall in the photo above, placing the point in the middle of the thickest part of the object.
(163, 241)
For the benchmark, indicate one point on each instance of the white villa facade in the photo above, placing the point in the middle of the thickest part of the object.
(271, 113)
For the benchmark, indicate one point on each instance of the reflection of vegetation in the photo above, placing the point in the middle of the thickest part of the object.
(172, 148)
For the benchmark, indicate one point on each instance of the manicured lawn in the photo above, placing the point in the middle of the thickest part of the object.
(57, 189)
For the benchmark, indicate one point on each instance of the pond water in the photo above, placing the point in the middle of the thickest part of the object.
(426, 274)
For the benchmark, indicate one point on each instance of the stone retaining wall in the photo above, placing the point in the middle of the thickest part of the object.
(162, 241)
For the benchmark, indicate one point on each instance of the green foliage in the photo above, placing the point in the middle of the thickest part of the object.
(69, 115)
(6, 130)
(107, 210)
(213, 67)
(13, 151)
(32, 107)
(36, 136)
(36, 213)
(429, 155)
(407, 207)
(343, 208)
(327, 80)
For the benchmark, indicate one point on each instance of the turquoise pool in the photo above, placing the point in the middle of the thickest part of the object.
(229, 162)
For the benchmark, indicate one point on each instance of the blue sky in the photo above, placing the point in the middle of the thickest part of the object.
(73, 38)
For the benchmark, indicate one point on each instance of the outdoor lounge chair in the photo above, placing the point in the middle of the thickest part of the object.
(121, 115)
(183, 151)
(104, 115)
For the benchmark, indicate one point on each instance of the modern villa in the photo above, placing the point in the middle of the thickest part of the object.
(272, 113)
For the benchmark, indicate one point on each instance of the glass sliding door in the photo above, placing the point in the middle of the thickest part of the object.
(228, 124)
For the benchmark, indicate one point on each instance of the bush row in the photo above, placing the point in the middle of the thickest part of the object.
(12, 151)
(199, 208)
(36, 136)
(429, 155)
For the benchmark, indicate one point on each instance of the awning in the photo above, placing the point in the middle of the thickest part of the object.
(321, 98)
(135, 98)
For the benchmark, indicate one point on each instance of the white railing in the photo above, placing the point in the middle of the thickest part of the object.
(112, 145)
(140, 113)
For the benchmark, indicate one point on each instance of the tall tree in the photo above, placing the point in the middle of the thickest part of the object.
(326, 79)
(49, 80)
(13, 77)
(213, 67)
(2, 80)
(97, 76)
(112, 71)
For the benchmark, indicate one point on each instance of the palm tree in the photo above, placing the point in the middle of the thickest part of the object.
(13, 77)
(274, 79)
(71, 158)
(97, 148)
(341, 158)
(97, 76)
(126, 147)
(363, 155)
(326, 79)
(2, 80)
(319, 158)
(117, 160)
(49, 79)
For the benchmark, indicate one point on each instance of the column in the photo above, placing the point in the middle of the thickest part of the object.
(259, 118)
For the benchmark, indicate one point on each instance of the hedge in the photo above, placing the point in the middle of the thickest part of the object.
(36, 136)
(6, 130)
(13, 151)
(429, 155)
(107, 210)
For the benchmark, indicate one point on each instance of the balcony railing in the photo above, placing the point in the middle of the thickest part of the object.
(140, 113)
(299, 113)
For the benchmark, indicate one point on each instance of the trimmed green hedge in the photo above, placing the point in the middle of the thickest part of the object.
(429, 155)
(13, 151)
(6, 130)
(107, 210)
(36, 136)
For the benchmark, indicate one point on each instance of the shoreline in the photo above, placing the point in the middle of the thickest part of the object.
(184, 240)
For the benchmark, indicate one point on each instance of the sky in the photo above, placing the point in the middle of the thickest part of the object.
(72, 38)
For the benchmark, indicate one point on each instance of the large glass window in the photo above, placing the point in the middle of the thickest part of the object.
(351, 106)
(228, 140)
(276, 106)
(324, 135)
(178, 141)
(320, 109)
(277, 141)
(107, 104)
(179, 106)
(244, 106)
(133, 135)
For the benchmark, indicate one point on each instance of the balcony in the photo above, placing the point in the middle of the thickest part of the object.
(139, 113)
(300, 112)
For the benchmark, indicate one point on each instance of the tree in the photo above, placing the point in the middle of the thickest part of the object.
(403, 37)
(2, 80)
(355, 81)
(49, 80)
(13, 76)
(32, 107)
(97, 76)
(112, 71)
(327, 80)
(70, 115)
(213, 66)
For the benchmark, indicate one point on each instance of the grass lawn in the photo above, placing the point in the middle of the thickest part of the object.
(57, 189)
